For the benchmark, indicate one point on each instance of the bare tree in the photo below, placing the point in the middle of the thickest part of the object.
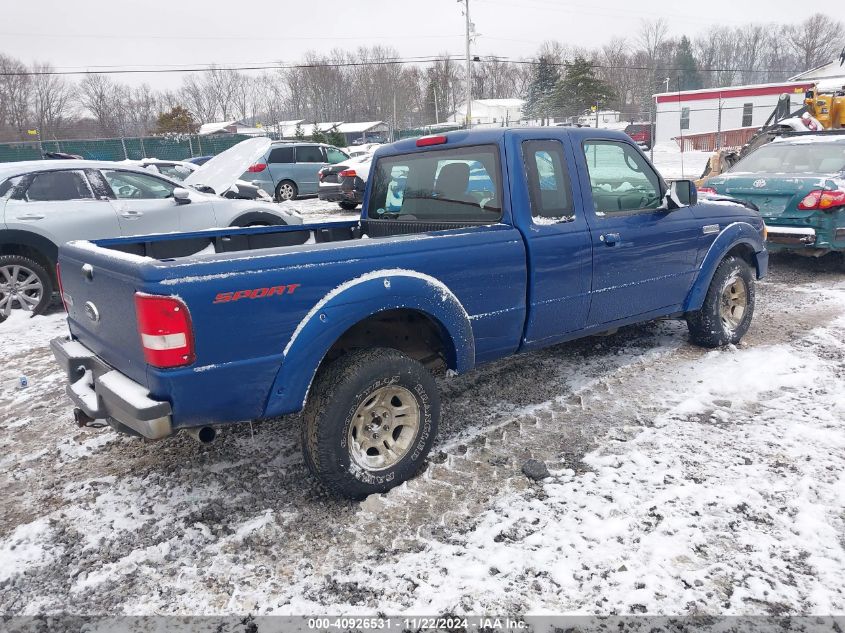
(816, 40)
(52, 100)
(15, 89)
(102, 98)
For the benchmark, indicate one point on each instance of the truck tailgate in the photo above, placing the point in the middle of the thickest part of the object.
(99, 292)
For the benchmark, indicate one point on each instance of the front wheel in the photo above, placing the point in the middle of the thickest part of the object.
(726, 313)
(370, 422)
(24, 284)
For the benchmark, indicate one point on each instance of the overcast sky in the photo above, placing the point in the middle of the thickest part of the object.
(92, 34)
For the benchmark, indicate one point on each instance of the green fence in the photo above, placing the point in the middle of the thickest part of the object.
(179, 147)
(172, 148)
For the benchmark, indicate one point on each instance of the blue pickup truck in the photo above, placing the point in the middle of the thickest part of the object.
(471, 246)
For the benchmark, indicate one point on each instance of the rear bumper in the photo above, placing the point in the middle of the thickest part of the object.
(103, 393)
(334, 193)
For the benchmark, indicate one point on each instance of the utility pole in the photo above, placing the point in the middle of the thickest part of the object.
(469, 28)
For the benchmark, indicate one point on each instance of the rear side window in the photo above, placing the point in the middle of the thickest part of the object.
(309, 154)
(281, 155)
(7, 188)
(548, 181)
(59, 186)
(335, 156)
(453, 185)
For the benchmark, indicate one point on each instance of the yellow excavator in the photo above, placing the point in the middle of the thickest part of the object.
(823, 109)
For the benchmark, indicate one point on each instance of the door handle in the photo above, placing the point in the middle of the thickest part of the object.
(30, 216)
(610, 239)
(132, 214)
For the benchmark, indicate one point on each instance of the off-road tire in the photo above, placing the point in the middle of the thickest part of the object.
(280, 196)
(34, 268)
(706, 326)
(336, 395)
(348, 206)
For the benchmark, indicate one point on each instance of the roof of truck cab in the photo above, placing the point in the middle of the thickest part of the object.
(8, 170)
(483, 136)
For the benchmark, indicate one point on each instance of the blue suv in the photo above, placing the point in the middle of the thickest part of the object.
(290, 169)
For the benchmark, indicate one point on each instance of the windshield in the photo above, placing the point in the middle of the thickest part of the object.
(453, 185)
(796, 158)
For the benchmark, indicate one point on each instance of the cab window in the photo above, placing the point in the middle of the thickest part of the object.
(454, 185)
(620, 178)
(59, 186)
(128, 185)
(548, 182)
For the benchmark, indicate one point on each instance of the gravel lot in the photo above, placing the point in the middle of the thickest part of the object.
(682, 481)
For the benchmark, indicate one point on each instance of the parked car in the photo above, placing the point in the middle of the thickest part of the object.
(798, 183)
(641, 133)
(44, 204)
(341, 183)
(289, 170)
(180, 170)
(568, 233)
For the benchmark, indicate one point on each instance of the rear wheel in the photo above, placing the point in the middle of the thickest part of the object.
(370, 422)
(24, 284)
(286, 190)
(348, 205)
(726, 313)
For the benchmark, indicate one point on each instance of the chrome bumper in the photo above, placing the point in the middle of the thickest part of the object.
(103, 393)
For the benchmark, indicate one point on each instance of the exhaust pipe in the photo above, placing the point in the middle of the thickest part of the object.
(203, 434)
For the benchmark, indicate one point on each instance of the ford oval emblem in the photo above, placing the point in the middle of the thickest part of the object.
(92, 312)
(759, 184)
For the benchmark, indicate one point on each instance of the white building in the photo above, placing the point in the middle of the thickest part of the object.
(829, 76)
(491, 112)
(230, 127)
(606, 119)
(736, 111)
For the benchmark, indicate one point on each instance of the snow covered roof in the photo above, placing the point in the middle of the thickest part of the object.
(216, 126)
(728, 91)
(230, 127)
(288, 128)
(358, 128)
(501, 103)
(824, 71)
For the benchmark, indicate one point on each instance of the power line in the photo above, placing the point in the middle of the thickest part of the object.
(118, 70)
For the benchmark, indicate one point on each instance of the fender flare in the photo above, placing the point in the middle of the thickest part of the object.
(32, 240)
(354, 301)
(255, 216)
(732, 235)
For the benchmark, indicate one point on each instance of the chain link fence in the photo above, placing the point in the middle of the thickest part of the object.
(179, 147)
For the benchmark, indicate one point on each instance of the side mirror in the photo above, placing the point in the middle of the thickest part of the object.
(682, 193)
(181, 196)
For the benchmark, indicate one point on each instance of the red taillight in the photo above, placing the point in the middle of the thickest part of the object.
(348, 173)
(425, 141)
(164, 325)
(61, 289)
(707, 191)
(257, 167)
(320, 175)
(831, 199)
(822, 200)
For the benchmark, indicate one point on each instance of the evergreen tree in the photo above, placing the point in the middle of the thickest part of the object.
(177, 121)
(688, 76)
(580, 89)
(298, 133)
(334, 137)
(318, 136)
(541, 89)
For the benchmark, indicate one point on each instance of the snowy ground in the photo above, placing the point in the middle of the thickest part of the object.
(683, 481)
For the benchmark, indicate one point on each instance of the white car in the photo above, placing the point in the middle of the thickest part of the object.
(44, 204)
